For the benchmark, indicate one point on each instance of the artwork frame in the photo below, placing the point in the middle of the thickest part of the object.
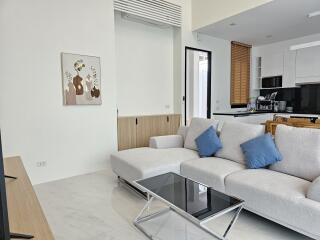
(81, 79)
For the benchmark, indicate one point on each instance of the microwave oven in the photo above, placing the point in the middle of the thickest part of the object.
(271, 82)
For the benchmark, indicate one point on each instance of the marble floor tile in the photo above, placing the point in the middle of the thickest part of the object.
(96, 207)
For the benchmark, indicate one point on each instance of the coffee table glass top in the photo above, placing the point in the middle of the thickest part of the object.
(194, 198)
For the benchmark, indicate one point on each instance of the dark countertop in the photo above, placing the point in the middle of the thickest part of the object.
(240, 113)
(245, 113)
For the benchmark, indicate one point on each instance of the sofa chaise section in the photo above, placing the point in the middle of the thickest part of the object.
(139, 163)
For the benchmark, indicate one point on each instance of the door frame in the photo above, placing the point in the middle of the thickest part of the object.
(208, 83)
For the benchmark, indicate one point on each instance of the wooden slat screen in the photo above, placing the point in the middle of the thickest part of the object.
(240, 73)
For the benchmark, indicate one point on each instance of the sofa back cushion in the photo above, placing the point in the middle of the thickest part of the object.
(198, 126)
(183, 131)
(232, 135)
(300, 149)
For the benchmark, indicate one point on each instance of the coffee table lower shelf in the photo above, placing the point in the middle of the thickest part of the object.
(140, 218)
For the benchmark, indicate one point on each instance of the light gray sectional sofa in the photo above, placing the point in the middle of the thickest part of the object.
(288, 192)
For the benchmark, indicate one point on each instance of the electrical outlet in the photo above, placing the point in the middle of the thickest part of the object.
(42, 164)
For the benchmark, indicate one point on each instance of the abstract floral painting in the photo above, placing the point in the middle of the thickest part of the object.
(81, 79)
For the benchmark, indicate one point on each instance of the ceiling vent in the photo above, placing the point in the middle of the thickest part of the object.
(154, 11)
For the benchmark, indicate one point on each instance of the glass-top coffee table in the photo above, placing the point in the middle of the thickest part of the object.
(194, 201)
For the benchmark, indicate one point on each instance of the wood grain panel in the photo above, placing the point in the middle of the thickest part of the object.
(25, 213)
(149, 126)
(136, 131)
(127, 133)
(144, 130)
(175, 123)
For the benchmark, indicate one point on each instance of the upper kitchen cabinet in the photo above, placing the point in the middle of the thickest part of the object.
(308, 65)
(289, 69)
(272, 64)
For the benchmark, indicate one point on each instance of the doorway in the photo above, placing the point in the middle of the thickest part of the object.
(197, 92)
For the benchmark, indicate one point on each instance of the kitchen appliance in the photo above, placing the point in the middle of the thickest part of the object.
(289, 109)
(282, 106)
(271, 82)
(266, 103)
(276, 106)
(263, 104)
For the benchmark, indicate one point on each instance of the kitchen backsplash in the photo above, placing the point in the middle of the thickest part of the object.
(303, 100)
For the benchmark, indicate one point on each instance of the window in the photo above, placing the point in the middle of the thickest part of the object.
(240, 74)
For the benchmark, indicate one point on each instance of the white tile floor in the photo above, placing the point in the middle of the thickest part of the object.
(96, 207)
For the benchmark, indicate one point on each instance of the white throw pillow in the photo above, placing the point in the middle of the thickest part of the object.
(300, 149)
(235, 133)
(198, 126)
(314, 190)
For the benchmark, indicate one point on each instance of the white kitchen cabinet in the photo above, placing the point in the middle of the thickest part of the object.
(272, 64)
(289, 69)
(308, 65)
(250, 118)
(255, 118)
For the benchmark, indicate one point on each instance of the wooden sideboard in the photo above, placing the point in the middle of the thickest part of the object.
(135, 131)
(25, 213)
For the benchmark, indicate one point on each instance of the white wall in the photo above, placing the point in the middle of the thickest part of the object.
(207, 12)
(221, 60)
(144, 68)
(78, 139)
(221, 65)
(34, 123)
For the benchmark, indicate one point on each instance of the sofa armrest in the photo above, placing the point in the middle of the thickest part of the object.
(169, 141)
(314, 190)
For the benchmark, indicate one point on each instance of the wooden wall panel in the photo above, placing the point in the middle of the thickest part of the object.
(144, 130)
(175, 123)
(127, 133)
(136, 131)
(149, 126)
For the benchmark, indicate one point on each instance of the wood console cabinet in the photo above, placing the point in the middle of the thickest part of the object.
(25, 213)
(134, 132)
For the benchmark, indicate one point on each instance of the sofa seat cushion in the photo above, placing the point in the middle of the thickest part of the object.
(232, 135)
(210, 171)
(139, 163)
(277, 196)
(300, 150)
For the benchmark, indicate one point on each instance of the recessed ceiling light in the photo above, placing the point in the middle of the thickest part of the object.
(313, 14)
(232, 24)
(269, 36)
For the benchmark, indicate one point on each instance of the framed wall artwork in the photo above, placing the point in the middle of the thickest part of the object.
(81, 76)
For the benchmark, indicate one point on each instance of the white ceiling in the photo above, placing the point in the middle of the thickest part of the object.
(272, 22)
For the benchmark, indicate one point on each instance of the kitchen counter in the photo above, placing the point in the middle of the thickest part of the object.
(243, 113)
(247, 113)
(257, 117)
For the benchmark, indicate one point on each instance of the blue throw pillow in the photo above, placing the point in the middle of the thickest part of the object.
(208, 143)
(260, 152)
